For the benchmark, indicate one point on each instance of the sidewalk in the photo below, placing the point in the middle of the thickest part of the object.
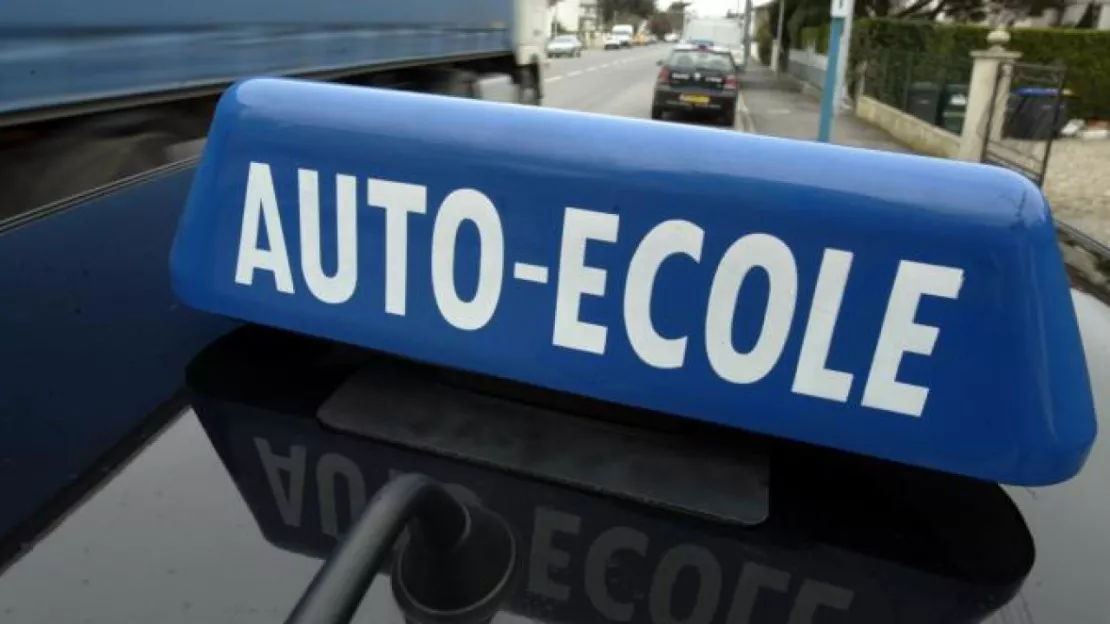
(776, 106)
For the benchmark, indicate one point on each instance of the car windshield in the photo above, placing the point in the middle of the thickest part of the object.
(563, 39)
(700, 60)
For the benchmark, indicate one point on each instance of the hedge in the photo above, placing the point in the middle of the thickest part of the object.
(1085, 53)
(818, 36)
(764, 40)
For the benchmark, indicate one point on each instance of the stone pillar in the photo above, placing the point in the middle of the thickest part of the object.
(1103, 16)
(991, 67)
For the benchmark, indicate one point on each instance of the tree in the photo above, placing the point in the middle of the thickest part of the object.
(675, 15)
(659, 25)
(609, 9)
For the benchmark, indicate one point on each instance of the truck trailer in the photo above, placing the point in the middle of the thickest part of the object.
(91, 93)
(721, 31)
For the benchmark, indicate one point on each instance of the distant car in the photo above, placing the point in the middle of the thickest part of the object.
(701, 43)
(612, 42)
(564, 45)
(670, 37)
(697, 81)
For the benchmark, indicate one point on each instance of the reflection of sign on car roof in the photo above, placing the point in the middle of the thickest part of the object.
(584, 555)
(590, 555)
(907, 308)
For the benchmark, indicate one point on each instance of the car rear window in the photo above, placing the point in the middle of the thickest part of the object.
(700, 60)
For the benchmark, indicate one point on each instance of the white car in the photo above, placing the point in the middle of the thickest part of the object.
(612, 42)
(564, 45)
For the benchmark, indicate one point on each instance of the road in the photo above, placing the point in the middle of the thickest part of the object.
(618, 82)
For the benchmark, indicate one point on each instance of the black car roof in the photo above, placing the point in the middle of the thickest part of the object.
(228, 513)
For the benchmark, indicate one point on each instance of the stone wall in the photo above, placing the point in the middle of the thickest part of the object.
(920, 136)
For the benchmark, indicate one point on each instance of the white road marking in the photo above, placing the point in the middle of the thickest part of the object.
(579, 72)
(745, 114)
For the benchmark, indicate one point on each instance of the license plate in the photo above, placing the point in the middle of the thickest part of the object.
(696, 99)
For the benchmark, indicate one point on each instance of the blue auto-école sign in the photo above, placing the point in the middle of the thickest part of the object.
(908, 308)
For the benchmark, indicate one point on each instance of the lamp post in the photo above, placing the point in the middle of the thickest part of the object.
(839, 12)
(746, 20)
(776, 49)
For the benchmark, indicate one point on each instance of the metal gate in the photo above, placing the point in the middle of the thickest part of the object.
(1028, 109)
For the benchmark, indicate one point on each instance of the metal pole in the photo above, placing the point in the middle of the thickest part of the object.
(828, 96)
(776, 52)
(846, 62)
(747, 33)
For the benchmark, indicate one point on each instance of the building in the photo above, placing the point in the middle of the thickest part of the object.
(1072, 14)
(588, 19)
(574, 16)
(1096, 13)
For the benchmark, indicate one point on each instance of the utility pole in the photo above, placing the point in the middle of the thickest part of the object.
(845, 61)
(746, 21)
(776, 49)
(839, 11)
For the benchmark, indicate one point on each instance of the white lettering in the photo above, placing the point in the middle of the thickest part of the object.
(598, 565)
(813, 378)
(666, 575)
(398, 200)
(753, 578)
(577, 279)
(544, 554)
(260, 204)
(663, 241)
(815, 594)
(289, 502)
(900, 334)
(467, 205)
(329, 469)
(339, 287)
(774, 257)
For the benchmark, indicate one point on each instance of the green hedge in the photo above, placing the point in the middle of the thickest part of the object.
(1085, 53)
(816, 35)
(765, 43)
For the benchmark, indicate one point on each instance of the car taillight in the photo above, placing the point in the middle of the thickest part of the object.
(664, 75)
(730, 83)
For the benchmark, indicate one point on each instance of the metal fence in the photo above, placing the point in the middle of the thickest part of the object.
(931, 87)
(1024, 119)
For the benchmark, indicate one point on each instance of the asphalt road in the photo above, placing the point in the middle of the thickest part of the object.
(618, 82)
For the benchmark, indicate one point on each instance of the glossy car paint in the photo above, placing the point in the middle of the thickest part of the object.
(172, 539)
